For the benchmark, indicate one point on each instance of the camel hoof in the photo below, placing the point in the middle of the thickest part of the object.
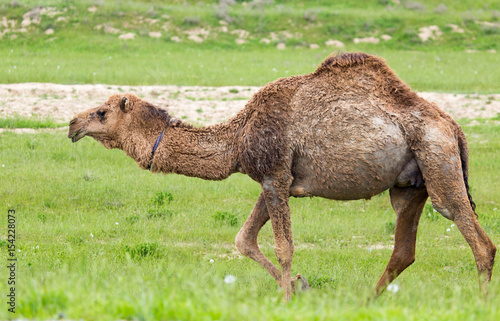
(300, 282)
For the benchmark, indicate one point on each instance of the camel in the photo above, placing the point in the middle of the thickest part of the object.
(349, 130)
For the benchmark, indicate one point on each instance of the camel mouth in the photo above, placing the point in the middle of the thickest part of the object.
(77, 135)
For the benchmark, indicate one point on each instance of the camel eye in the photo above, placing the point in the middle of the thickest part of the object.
(101, 113)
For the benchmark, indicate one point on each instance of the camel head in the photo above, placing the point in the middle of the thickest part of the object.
(113, 121)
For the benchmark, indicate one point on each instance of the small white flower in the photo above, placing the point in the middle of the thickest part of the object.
(493, 209)
(3, 165)
(409, 66)
(19, 250)
(211, 261)
(452, 225)
(91, 235)
(393, 288)
(229, 279)
(37, 247)
(116, 223)
(58, 67)
(94, 73)
(448, 230)
(434, 210)
(275, 70)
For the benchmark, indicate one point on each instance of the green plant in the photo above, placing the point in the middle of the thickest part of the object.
(143, 250)
(228, 218)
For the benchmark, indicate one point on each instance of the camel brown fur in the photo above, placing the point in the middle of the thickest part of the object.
(350, 130)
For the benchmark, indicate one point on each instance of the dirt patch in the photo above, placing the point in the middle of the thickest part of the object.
(202, 105)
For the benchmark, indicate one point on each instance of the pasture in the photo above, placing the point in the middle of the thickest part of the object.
(99, 239)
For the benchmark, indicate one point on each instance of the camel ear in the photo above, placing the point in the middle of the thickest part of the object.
(125, 105)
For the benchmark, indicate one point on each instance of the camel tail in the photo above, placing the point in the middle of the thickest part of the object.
(464, 156)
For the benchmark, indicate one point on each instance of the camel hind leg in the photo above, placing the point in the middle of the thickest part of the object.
(438, 157)
(408, 203)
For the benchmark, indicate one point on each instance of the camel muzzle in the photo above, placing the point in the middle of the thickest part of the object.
(76, 131)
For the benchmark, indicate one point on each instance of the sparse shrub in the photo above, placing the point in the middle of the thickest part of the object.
(152, 13)
(88, 177)
(42, 217)
(113, 204)
(390, 227)
(191, 21)
(259, 4)
(322, 281)
(76, 240)
(229, 218)
(490, 30)
(430, 213)
(411, 36)
(310, 15)
(222, 10)
(468, 17)
(156, 211)
(414, 5)
(31, 144)
(3, 243)
(161, 197)
(441, 8)
(143, 250)
(234, 91)
(495, 15)
(132, 219)
(159, 213)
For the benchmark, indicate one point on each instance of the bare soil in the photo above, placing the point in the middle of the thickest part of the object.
(201, 105)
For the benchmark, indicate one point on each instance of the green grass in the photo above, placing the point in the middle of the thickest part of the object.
(100, 239)
(77, 52)
(90, 247)
(186, 65)
(34, 122)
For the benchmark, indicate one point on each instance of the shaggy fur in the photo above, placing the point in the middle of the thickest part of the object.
(349, 130)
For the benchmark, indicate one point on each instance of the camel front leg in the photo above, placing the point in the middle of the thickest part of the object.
(246, 239)
(276, 195)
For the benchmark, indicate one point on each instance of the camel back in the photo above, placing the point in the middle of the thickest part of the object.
(384, 78)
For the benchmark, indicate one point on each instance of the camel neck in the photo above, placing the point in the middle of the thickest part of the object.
(206, 152)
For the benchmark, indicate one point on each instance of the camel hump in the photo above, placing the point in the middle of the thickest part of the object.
(348, 59)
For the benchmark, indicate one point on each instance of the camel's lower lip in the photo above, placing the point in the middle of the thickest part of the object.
(76, 136)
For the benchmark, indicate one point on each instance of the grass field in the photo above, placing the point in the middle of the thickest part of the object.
(84, 47)
(100, 239)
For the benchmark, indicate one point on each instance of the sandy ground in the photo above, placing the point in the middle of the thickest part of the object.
(205, 105)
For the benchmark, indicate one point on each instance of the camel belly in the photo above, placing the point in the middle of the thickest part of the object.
(353, 164)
